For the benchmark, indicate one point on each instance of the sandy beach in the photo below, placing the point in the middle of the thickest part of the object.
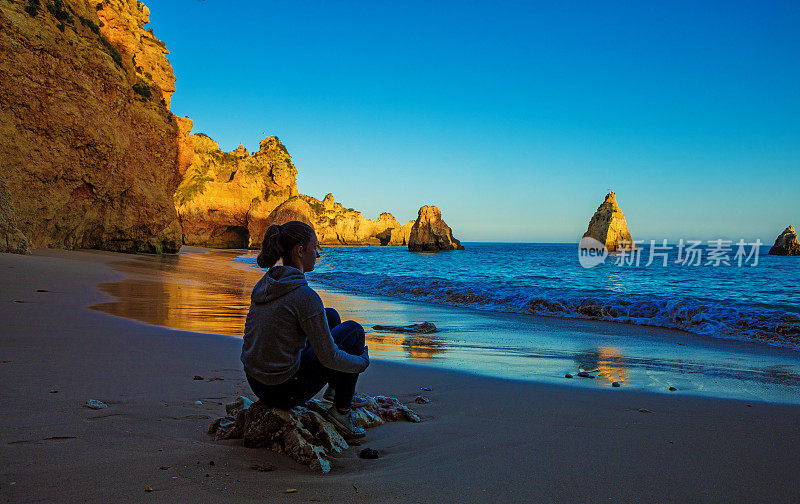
(483, 439)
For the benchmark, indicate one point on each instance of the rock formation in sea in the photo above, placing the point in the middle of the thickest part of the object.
(11, 238)
(88, 147)
(786, 243)
(430, 233)
(608, 226)
(228, 199)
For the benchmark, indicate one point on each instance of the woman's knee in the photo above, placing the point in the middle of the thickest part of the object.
(353, 337)
(333, 317)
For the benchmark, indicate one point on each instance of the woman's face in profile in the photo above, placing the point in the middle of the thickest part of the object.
(309, 255)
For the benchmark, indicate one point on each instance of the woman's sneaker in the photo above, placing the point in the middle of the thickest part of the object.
(358, 401)
(345, 423)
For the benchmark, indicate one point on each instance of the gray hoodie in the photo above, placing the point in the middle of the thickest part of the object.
(285, 313)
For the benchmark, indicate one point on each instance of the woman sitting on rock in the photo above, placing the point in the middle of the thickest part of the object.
(293, 345)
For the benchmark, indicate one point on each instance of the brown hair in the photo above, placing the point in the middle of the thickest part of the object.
(280, 239)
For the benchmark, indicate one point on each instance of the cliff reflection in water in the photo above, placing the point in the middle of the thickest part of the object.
(210, 293)
(418, 346)
(606, 362)
(191, 292)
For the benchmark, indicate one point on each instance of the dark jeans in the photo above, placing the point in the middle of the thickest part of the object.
(312, 375)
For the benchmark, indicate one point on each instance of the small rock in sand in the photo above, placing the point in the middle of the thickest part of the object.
(421, 400)
(197, 377)
(148, 488)
(95, 404)
(584, 374)
(672, 389)
(263, 467)
(567, 375)
(426, 389)
(615, 384)
(369, 453)
(644, 410)
(198, 402)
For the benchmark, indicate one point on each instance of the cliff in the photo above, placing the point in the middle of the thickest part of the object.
(430, 233)
(608, 226)
(228, 199)
(88, 147)
(225, 198)
(786, 244)
(11, 238)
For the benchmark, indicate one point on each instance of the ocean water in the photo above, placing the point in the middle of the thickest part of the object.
(758, 301)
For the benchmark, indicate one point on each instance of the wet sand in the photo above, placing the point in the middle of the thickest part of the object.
(484, 439)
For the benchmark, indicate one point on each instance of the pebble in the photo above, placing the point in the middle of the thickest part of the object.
(148, 488)
(615, 384)
(198, 402)
(164, 468)
(644, 410)
(369, 453)
(290, 490)
(584, 374)
(95, 404)
(421, 400)
(197, 377)
(426, 389)
(672, 389)
(567, 375)
(263, 467)
(54, 391)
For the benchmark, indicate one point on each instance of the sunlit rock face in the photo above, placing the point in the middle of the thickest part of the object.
(226, 198)
(229, 199)
(122, 25)
(337, 225)
(786, 243)
(608, 226)
(11, 238)
(88, 147)
(430, 233)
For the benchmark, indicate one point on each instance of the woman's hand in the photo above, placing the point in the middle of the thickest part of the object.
(365, 353)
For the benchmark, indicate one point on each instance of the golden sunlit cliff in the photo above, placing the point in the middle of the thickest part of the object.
(228, 199)
(89, 150)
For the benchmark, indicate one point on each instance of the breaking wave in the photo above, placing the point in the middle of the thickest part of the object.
(731, 321)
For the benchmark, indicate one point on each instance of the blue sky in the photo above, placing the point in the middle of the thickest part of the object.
(513, 118)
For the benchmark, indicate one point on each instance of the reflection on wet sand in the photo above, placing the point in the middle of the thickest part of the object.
(420, 347)
(606, 362)
(210, 292)
(191, 292)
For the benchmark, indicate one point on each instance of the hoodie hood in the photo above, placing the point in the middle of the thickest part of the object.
(276, 283)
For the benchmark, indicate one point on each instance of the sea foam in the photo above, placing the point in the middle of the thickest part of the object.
(730, 321)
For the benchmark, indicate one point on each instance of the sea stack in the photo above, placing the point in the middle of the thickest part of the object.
(786, 243)
(430, 233)
(608, 226)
